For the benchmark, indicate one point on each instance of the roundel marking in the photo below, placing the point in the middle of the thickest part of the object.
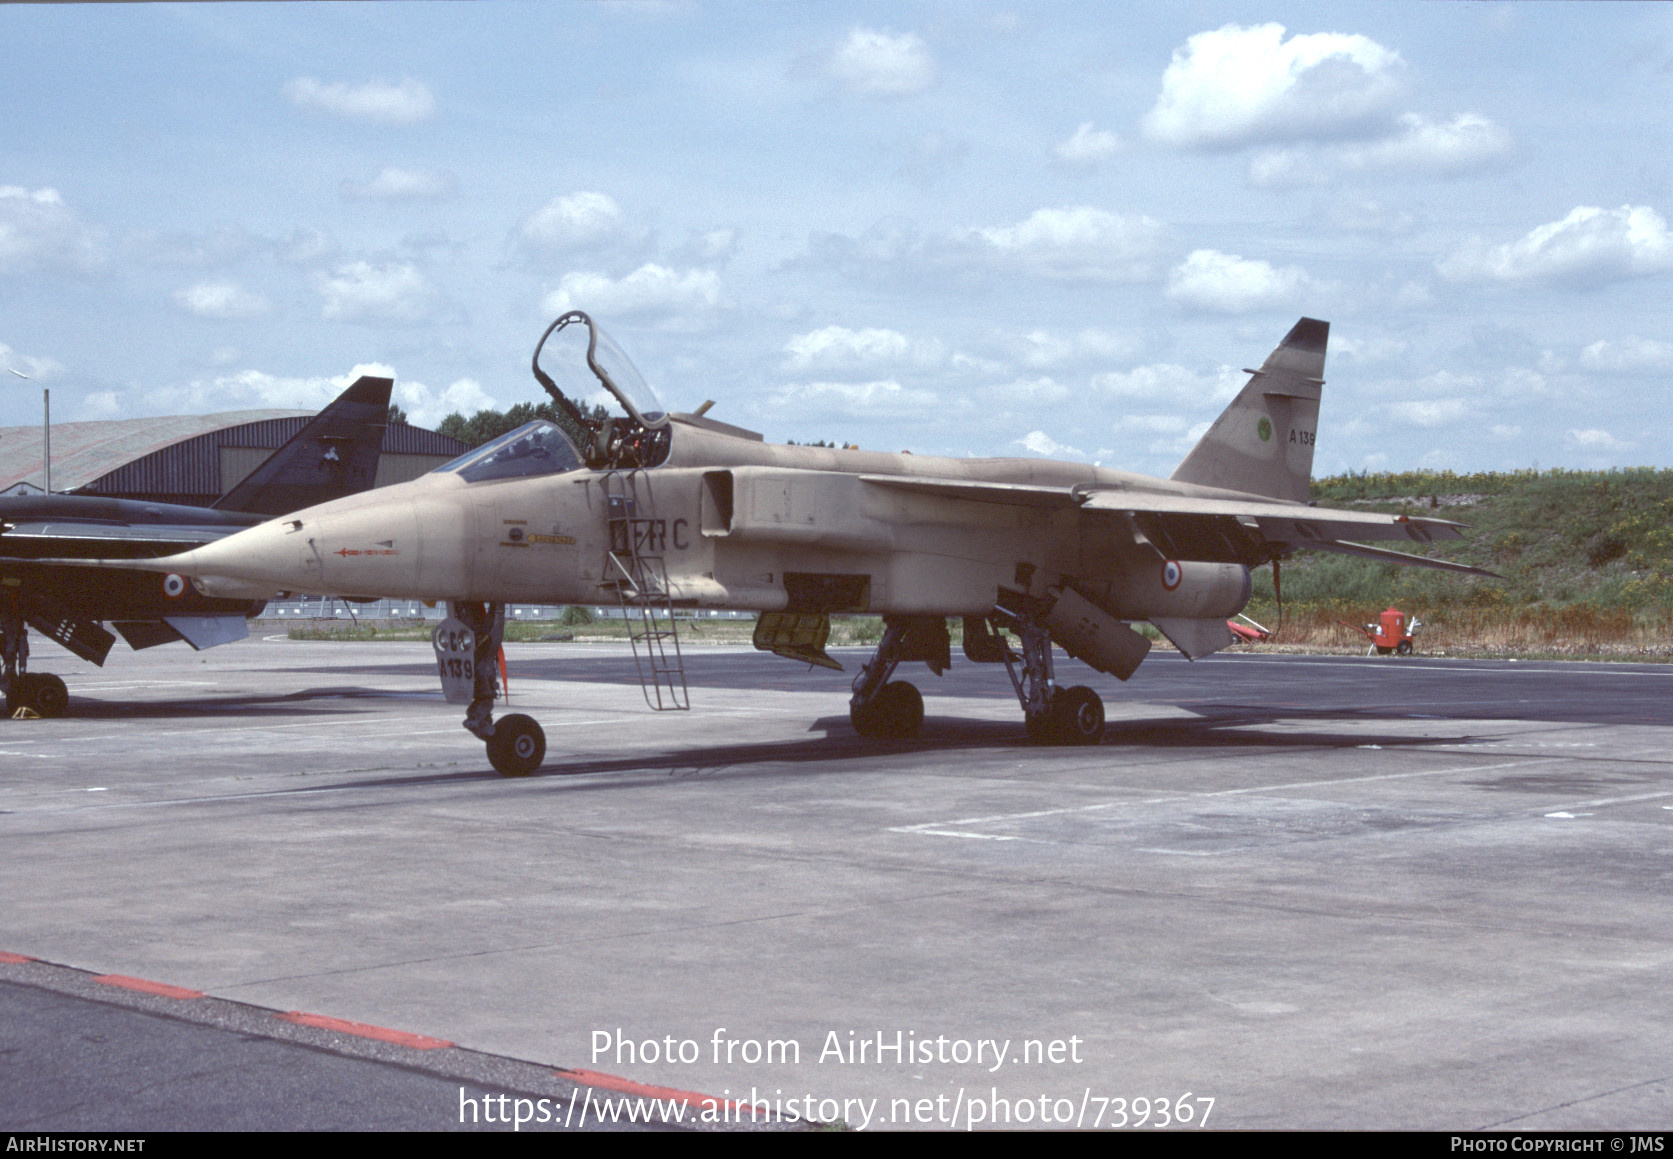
(1264, 429)
(1172, 573)
(174, 586)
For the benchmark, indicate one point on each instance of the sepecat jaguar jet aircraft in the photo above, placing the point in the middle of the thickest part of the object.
(661, 511)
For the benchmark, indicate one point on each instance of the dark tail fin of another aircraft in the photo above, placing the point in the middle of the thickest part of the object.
(1263, 442)
(336, 454)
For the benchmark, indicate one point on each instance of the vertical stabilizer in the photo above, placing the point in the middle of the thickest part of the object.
(1263, 442)
(336, 454)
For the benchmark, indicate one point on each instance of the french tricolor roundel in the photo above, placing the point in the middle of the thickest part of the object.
(174, 586)
(1172, 573)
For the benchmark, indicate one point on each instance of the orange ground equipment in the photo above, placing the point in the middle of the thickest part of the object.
(1249, 632)
(1391, 635)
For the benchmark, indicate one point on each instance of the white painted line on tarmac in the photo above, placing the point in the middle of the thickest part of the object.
(944, 826)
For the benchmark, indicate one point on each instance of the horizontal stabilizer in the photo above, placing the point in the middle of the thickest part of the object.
(209, 631)
(1196, 638)
(145, 633)
(1404, 559)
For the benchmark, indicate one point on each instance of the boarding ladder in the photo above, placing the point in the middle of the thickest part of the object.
(635, 568)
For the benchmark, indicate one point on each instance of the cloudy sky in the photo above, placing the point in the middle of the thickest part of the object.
(967, 229)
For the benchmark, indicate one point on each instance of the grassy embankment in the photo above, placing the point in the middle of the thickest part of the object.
(1586, 556)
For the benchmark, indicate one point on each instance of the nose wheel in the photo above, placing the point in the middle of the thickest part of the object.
(518, 745)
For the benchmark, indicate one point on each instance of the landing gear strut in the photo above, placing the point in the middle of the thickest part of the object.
(517, 744)
(894, 708)
(40, 692)
(1068, 716)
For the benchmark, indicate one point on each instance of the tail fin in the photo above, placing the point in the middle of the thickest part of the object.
(1263, 442)
(336, 454)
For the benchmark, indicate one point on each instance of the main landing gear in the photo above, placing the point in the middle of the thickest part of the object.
(887, 708)
(1067, 716)
(516, 743)
(41, 692)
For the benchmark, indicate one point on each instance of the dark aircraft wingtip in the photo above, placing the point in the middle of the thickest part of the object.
(1308, 334)
(369, 389)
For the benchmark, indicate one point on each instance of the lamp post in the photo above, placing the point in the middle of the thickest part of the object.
(46, 426)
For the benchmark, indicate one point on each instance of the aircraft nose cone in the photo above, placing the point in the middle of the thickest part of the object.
(346, 548)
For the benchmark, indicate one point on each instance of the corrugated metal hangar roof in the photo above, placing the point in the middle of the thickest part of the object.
(81, 452)
(192, 459)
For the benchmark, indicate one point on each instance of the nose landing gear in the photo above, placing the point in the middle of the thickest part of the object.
(517, 743)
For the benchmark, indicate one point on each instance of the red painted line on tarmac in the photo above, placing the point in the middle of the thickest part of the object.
(610, 1082)
(14, 959)
(362, 1030)
(161, 989)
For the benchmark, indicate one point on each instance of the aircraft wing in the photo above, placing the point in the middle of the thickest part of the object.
(1211, 528)
(35, 541)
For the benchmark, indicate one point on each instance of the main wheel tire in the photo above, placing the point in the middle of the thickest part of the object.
(518, 745)
(1079, 716)
(904, 706)
(46, 694)
(896, 711)
(865, 718)
(1403, 648)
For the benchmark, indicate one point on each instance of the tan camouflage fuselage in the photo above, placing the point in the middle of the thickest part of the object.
(739, 524)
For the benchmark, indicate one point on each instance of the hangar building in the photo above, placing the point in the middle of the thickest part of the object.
(192, 459)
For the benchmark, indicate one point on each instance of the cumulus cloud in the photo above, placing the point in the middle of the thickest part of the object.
(675, 296)
(1088, 146)
(37, 231)
(392, 184)
(1429, 412)
(883, 398)
(708, 247)
(1044, 348)
(878, 64)
(225, 300)
(1588, 247)
(576, 221)
(1594, 439)
(1078, 244)
(361, 292)
(1628, 356)
(241, 390)
(1468, 142)
(1165, 381)
(1040, 443)
(1237, 86)
(426, 407)
(1229, 284)
(378, 102)
(837, 347)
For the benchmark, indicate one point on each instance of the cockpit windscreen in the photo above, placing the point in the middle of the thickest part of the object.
(538, 448)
